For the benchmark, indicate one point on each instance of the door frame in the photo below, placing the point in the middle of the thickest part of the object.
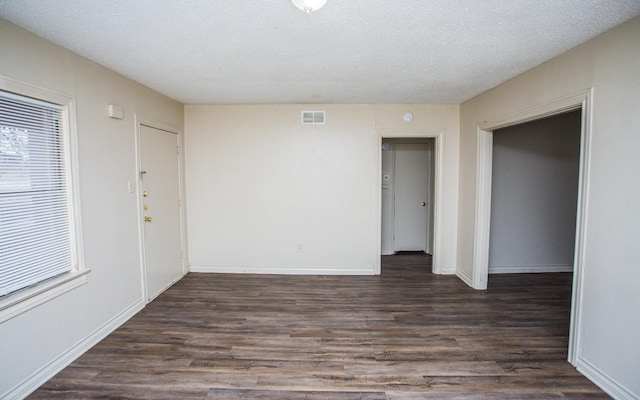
(438, 165)
(430, 195)
(163, 126)
(484, 163)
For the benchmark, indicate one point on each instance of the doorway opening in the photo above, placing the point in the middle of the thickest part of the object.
(581, 103)
(534, 196)
(408, 199)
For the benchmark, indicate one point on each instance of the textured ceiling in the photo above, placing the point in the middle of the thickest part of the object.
(351, 51)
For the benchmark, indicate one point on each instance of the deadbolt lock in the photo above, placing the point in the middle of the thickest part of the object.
(145, 194)
(147, 219)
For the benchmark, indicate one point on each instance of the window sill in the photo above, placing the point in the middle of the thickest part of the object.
(24, 300)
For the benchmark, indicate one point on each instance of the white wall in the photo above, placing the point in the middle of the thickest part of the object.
(259, 184)
(534, 193)
(609, 326)
(36, 343)
(387, 196)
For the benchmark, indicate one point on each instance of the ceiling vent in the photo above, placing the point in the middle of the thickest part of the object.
(313, 117)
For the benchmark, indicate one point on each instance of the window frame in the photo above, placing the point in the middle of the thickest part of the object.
(23, 300)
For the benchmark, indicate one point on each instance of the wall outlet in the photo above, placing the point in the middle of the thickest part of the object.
(300, 247)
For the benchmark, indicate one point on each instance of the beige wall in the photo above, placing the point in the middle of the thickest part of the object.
(610, 325)
(37, 342)
(259, 184)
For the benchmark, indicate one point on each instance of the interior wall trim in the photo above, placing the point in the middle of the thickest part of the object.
(604, 381)
(464, 277)
(48, 371)
(220, 269)
(528, 269)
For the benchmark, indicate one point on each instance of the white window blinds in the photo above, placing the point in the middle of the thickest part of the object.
(35, 241)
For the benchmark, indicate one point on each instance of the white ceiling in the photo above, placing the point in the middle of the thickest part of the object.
(351, 51)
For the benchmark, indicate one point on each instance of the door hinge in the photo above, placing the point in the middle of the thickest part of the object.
(178, 150)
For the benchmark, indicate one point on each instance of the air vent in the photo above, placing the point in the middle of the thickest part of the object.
(313, 117)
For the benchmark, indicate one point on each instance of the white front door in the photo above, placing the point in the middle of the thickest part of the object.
(162, 233)
(412, 203)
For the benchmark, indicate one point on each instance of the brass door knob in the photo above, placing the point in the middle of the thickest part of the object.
(147, 219)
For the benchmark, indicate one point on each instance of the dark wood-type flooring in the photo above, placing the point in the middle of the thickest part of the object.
(407, 334)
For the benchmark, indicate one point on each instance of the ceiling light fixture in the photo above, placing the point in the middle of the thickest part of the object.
(309, 6)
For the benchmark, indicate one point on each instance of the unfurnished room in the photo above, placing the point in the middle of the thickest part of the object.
(319, 199)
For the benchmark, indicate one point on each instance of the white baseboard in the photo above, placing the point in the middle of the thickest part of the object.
(448, 271)
(217, 269)
(606, 383)
(465, 278)
(528, 269)
(40, 377)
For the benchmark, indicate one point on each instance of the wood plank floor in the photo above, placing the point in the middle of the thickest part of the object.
(406, 334)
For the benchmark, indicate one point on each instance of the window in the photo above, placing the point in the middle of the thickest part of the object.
(38, 243)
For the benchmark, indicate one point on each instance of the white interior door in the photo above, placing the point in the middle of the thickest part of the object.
(162, 233)
(412, 203)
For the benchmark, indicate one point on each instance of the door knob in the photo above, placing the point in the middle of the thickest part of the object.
(147, 219)
(424, 204)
